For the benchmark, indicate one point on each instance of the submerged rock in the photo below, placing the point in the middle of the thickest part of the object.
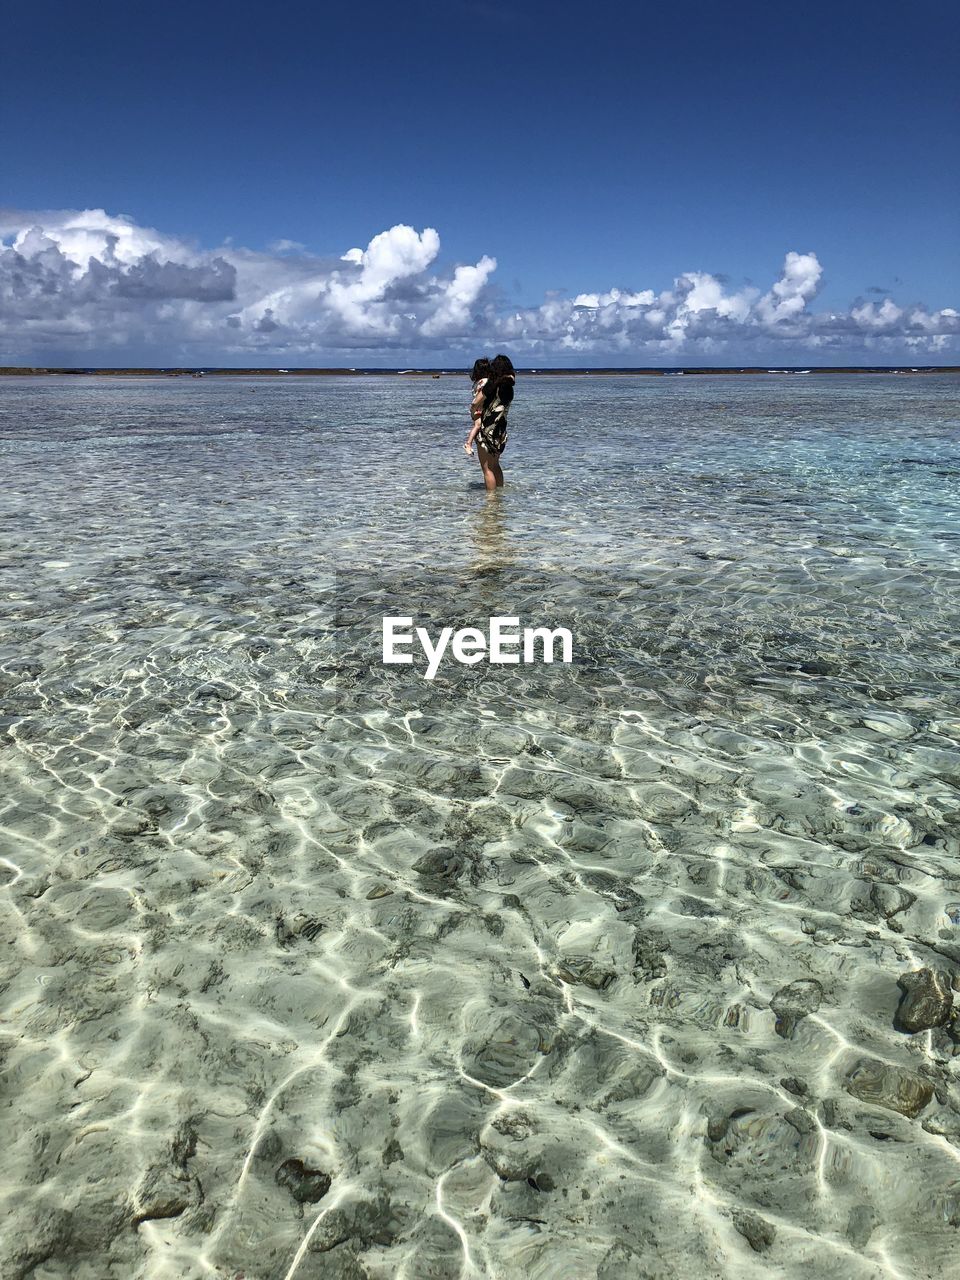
(502, 1048)
(161, 1194)
(885, 1086)
(49, 1237)
(723, 1129)
(945, 1124)
(758, 1233)
(927, 1001)
(514, 1124)
(796, 1085)
(861, 1224)
(343, 1264)
(890, 900)
(619, 1261)
(440, 864)
(793, 1002)
(214, 691)
(524, 1161)
(371, 1222)
(183, 1145)
(307, 1186)
(801, 1120)
(585, 970)
(649, 957)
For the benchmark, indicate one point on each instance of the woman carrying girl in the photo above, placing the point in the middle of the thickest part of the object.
(493, 384)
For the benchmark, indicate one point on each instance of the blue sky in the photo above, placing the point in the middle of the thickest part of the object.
(583, 147)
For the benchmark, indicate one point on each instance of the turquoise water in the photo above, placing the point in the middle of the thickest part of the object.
(315, 968)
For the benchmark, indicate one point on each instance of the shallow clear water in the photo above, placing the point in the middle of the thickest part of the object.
(503, 955)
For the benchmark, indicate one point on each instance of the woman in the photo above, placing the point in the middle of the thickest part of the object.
(494, 382)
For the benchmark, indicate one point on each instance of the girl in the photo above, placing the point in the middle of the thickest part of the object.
(478, 376)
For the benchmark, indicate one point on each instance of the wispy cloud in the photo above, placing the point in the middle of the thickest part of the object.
(89, 286)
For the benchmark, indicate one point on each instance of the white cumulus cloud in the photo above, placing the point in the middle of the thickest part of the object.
(798, 285)
(87, 287)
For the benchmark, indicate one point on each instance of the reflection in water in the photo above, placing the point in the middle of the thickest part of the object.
(314, 969)
(488, 529)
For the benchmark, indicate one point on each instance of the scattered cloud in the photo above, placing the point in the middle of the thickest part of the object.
(92, 287)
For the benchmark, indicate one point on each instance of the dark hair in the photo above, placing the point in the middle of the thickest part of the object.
(500, 380)
(481, 369)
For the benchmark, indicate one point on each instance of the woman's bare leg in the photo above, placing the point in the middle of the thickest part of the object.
(490, 467)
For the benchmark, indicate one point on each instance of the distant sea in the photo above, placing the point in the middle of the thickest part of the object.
(637, 967)
(663, 371)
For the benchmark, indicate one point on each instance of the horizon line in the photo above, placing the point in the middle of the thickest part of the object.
(441, 370)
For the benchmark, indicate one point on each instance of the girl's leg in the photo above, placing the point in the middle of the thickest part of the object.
(488, 462)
